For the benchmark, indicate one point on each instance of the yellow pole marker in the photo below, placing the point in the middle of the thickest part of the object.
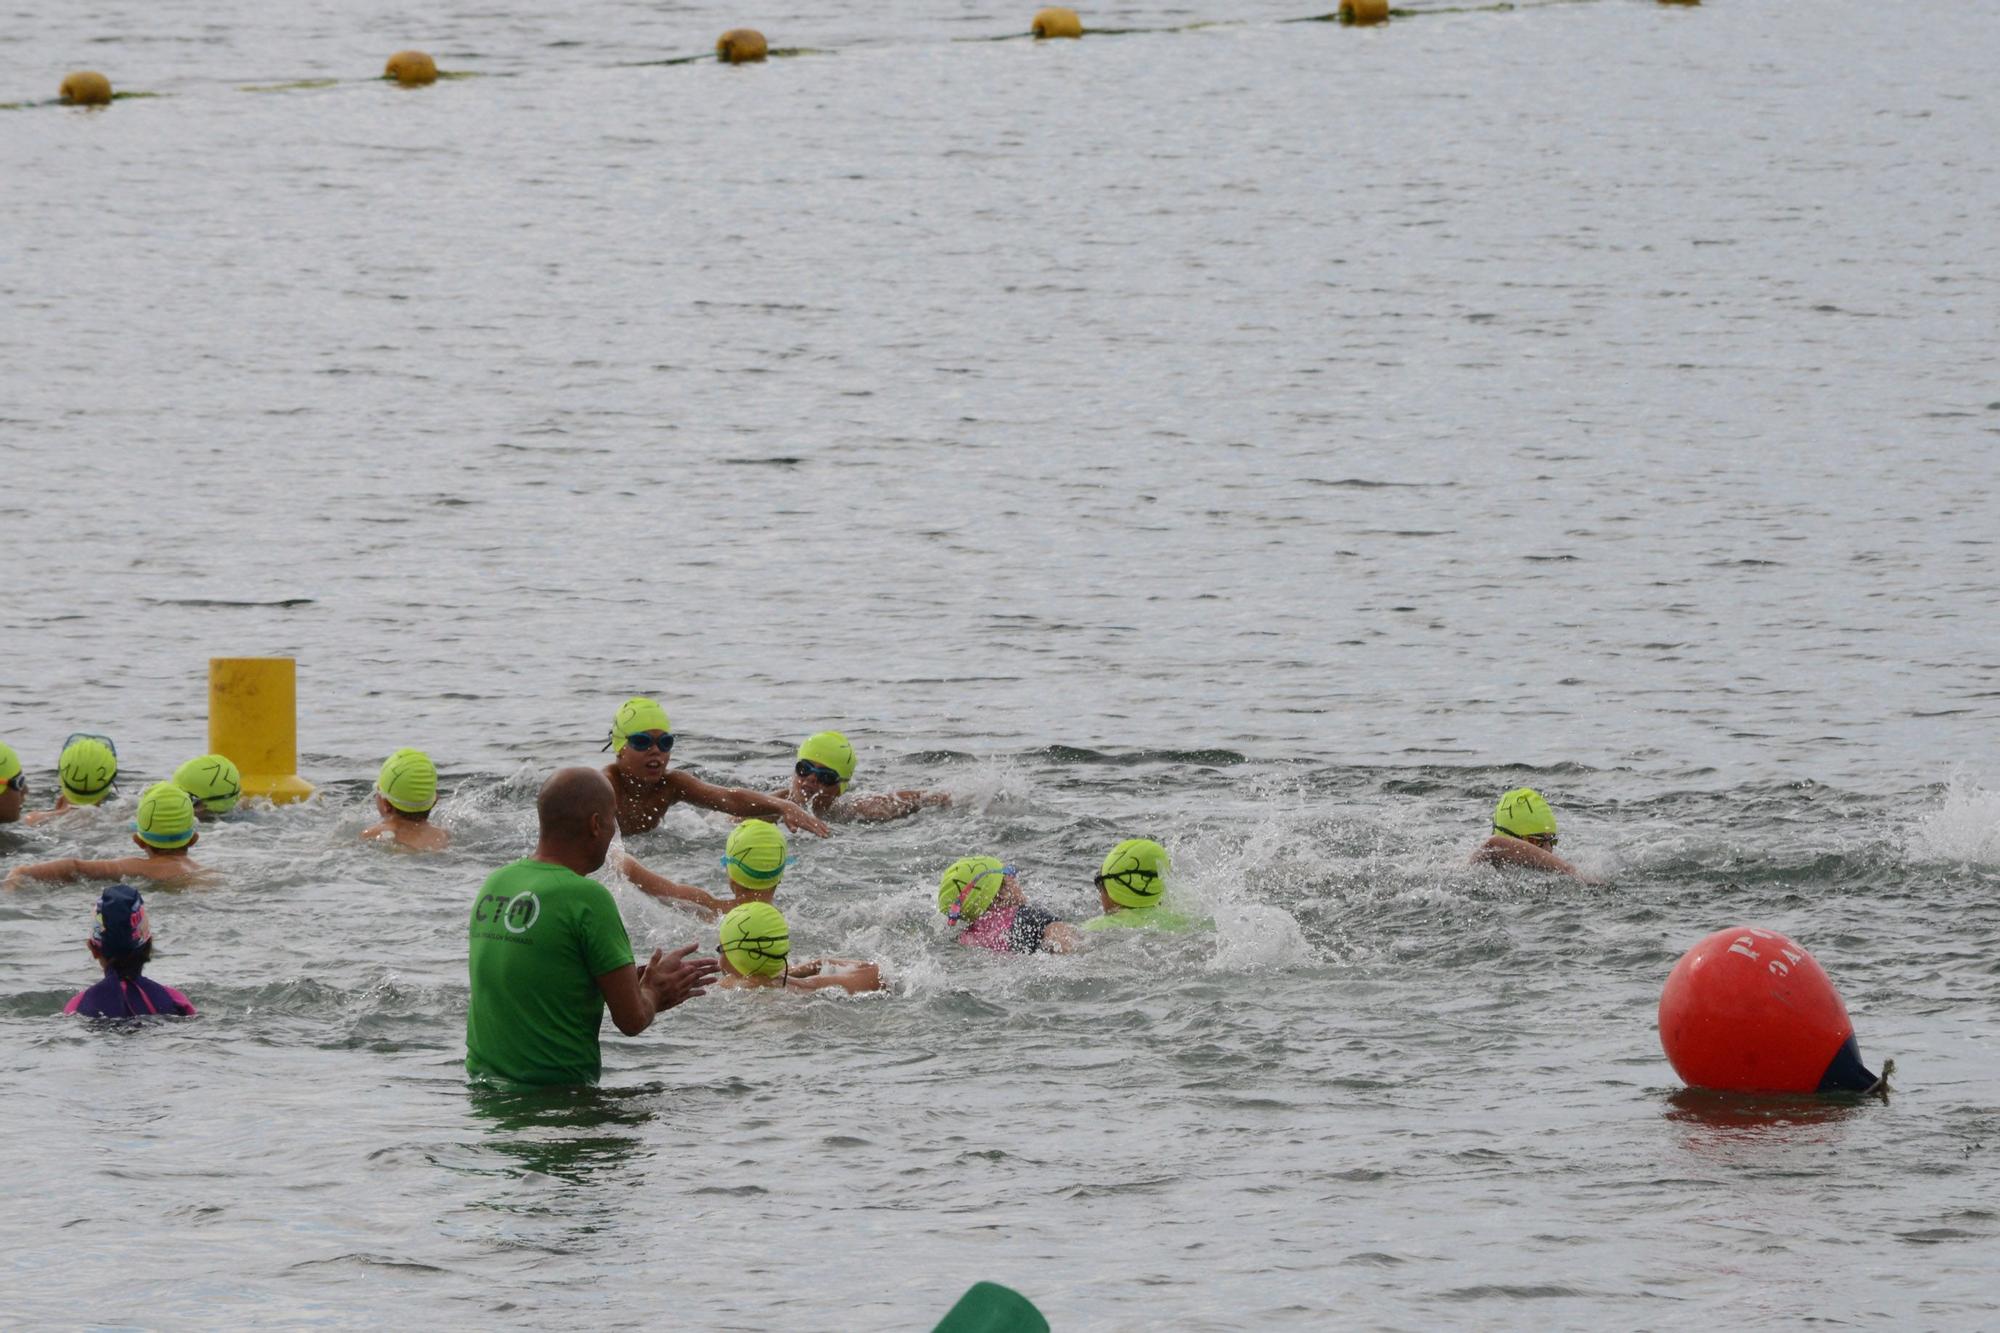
(1364, 11)
(253, 720)
(412, 69)
(86, 87)
(741, 46)
(1056, 23)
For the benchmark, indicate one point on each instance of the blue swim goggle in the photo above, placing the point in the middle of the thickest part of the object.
(752, 871)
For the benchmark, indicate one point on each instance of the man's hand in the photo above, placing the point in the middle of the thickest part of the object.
(798, 821)
(669, 978)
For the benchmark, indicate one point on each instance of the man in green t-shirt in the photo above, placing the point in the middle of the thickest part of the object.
(549, 953)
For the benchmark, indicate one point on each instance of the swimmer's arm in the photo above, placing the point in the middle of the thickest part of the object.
(854, 978)
(44, 816)
(1060, 937)
(1503, 850)
(667, 890)
(746, 804)
(66, 867)
(882, 808)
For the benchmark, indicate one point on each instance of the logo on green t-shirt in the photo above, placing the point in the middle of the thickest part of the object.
(517, 913)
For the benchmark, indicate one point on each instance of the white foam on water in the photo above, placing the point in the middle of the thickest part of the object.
(1964, 829)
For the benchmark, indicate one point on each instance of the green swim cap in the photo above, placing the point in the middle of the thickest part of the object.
(756, 858)
(88, 767)
(1135, 874)
(166, 816)
(638, 714)
(830, 749)
(970, 887)
(755, 939)
(10, 764)
(212, 780)
(1523, 813)
(409, 781)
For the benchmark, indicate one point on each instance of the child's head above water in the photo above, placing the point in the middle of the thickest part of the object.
(409, 783)
(214, 783)
(1134, 875)
(121, 938)
(970, 887)
(755, 857)
(165, 819)
(754, 940)
(87, 769)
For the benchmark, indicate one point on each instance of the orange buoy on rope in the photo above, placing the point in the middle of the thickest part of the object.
(1747, 1010)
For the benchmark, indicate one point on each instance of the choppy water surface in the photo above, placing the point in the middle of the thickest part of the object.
(1278, 437)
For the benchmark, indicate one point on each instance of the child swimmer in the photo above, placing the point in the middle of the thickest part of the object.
(820, 775)
(122, 943)
(163, 829)
(1130, 886)
(755, 859)
(13, 785)
(214, 783)
(1524, 834)
(983, 902)
(405, 793)
(85, 775)
(756, 945)
(643, 739)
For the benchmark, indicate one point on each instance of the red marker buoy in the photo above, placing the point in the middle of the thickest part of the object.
(1747, 1010)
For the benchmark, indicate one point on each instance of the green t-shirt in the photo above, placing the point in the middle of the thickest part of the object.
(541, 935)
(1148, 918)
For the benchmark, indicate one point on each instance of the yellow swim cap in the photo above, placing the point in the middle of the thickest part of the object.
(166, 816)
(830, 749)
(970, 887)
(1135, 874)
(88, 767)
(637, 714)
(1523, 813)
(409, 781)
(756, 857)
(755, 939)
(10, 764)
(212, 780)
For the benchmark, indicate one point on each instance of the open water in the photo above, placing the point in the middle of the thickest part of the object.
(1276, 437)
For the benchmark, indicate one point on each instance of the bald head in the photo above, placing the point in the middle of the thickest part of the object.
(578, 815)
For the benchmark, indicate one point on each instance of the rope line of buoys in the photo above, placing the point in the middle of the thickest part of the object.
(417, 69)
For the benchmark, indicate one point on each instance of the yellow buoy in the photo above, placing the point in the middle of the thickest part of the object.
(253, 720)
(1056, 23)
(412, 69)
(1364, 11)
(741, 46)
(86, 87)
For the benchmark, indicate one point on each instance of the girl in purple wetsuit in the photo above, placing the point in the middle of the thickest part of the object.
(983, 902)
(122, 943)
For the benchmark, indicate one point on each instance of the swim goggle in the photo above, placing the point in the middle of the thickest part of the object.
(645, 740)
(953, 912)
(19, 783)
(806, 768)
(752, 871)
(1124, 879)
(1535, 838)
